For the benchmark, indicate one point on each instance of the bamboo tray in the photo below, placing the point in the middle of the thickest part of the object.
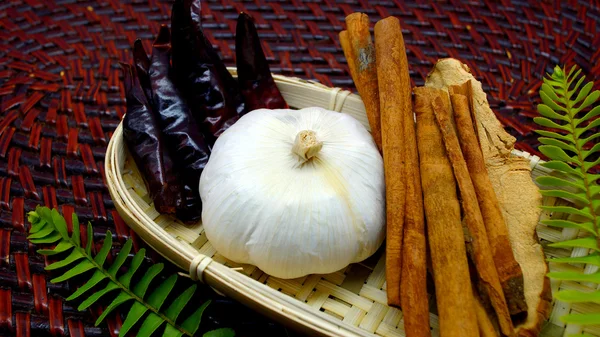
(350, 302)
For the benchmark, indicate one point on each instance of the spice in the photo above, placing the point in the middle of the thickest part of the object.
(294, 192)
(179, 129)
(457, 316)
(482, 254)
(142, 136)
(393, 92)
(509, 271)
(254, 76)
(211, 91)
(486, 327)
(361, 56)
(142, 64)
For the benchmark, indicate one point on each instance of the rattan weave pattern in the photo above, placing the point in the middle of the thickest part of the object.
(61, 98)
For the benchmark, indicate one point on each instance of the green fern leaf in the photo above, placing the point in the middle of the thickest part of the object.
(555, 181)
(591, 114)
(141, 287)
(585, 212)
(192, 323)
(574, 296)
(159, 295)
(550, 103)
(587, 226)
(120, 299)
(595, 163)
(59, 223)
(582, 197)
(171, 331)
(551, 93)
(75, 255)
(594, 124)
(80, 268)
(583, 319)
(179, 303)
(52, 238)
(111, 286)
(96, 278)
(575, 276)
(589, 100)
(562, 167)
(222, 332)
(106, 246)
(136, 262)
(61, 247)
(120, 259)
(556, 153)
(136, 312)
(90, 239)
(76, 237)
(589, 242)
(151, 323)
(42, 233)
(38, 225)
(48, 226)
(45, 214)
(548, 112)
(558, 143)
(593, 259)
(551, 134)
(594, 149)
(550, 124)
(584, 91)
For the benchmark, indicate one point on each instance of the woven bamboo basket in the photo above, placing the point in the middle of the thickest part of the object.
(349, 302)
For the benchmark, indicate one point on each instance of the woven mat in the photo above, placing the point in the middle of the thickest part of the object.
(61, 98)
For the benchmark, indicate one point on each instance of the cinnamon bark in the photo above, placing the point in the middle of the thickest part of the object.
(394, 95)
(509, 271)
(364, 71)
(457, 316)
(482, 253)
(413, 285)
(486, 327)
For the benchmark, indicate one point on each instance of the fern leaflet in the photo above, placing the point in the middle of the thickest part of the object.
(567, 108)
(49, 227)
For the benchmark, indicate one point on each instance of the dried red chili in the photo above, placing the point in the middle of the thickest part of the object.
(254, 76)
(142, 136)
(213, 94)
(142, 64)
(181, 133)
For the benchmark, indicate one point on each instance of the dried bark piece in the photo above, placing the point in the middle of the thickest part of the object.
(508, 174)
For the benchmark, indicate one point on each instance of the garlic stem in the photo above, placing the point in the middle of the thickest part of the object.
(306, 145)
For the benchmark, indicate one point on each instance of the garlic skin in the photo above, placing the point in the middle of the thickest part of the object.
(294, 192)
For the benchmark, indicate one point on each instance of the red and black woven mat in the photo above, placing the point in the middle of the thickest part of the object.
(61, 98)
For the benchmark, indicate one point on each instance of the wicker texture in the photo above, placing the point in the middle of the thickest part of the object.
(60, 100)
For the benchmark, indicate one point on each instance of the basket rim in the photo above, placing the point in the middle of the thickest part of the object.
(221, 278)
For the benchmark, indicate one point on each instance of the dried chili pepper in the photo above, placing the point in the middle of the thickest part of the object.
(179, 129)
(142, 136)
(142, 64)
(254, 76)
(211, 91)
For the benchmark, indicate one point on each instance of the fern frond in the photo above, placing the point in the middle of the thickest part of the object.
(48, 226)
(567, 108)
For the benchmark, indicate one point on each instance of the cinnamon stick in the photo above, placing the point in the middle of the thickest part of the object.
(350, 59)
(457, 316)
(394, 95)
(509, 270)
(361, 61)
(486, 327)
(466, 89)
(482, 253)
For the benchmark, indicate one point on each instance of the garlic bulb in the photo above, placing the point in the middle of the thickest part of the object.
(294, 192)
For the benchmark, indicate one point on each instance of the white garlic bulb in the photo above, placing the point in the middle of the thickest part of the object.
(294, 192)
